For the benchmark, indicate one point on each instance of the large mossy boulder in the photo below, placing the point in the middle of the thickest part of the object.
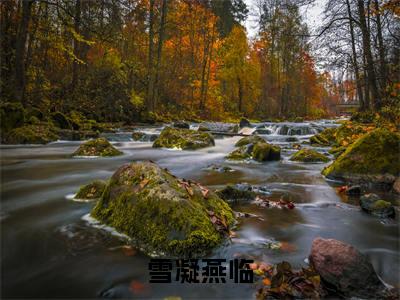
(249, 140)
(31, 134)
(349, 132)
(374, 205)
(184, 139)
(266, 152)
(324, 138)
(241, 153)
(309, 156)
(371, 156)
(97, 147)
(91, 191)
(236, 193)
(12, 115)
(163, 213)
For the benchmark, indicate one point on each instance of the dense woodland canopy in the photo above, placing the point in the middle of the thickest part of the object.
(134, 60)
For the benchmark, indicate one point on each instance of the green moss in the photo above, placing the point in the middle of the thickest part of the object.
(184, 139)
(12, 115)
(348, 133)
(93, 190)
(31, 134)
(324, 138)
(381, 204)
(266, 152)
(309, 155)
(239, 154)
(374, 153)
(337, 151)
(97, 147)
(231, 193)
(137, 135)
(152, 206)
(249, 140)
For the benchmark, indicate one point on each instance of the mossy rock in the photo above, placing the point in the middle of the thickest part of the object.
(163, 213)
(249, 140)
(34, 112)
(373, 205)
(324, 138)
(138, 135)
(184, 139)
(97, 147)
(364, 117)
(232, 193)
(348, 133)
(309, 155)
(12, 115)
(181, 124)
(31, 134)
(60, 120)
(240, 153)
(266, 152)
(77, 135)
(337, 151)
(375, 153)
(33, 120)
(91, 191)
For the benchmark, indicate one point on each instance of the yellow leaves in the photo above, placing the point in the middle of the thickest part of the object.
(144, 182)
(266, 281)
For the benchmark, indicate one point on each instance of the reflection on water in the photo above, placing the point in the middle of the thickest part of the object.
(49, 250)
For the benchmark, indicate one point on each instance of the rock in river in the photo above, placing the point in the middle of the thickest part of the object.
(244, 123)
(31, 134)
(163, 213)
(266, 152)
(345, 269)
(309, 155)
(97, 147)
(249, 140)
(373, 204)
(184, 139)
(374, 157)
(93, 190)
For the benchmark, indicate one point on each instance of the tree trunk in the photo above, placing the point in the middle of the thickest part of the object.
(77, 24)
(150, 76)
(368, 54)
(20, 51)
(381, 47)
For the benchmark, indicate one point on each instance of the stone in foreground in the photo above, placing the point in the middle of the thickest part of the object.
(309, 156)
(374, 157)
(345, 269)
(97, 147)
(184, 139)
(163, 213)
(266, 152)
(249, 140)
(91, 191)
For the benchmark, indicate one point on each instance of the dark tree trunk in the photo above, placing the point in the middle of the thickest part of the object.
(150, 76)
(77, 25)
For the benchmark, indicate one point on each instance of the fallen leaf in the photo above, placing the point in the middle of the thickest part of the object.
(144, 182)
(128, 250)
(266, 281)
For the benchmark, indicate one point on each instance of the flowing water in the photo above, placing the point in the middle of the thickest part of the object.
(50, 248)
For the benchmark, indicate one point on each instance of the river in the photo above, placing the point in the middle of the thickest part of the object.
(51, 249)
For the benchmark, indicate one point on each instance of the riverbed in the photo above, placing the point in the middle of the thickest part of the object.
(51, 248)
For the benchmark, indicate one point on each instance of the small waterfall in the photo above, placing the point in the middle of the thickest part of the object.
(287, 129)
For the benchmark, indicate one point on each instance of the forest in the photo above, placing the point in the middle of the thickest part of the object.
(141, 60)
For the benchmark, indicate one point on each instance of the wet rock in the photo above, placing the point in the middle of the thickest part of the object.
(372, 204)
(97, 147)
(77, 135)
(292, 139)
(262, 130)
(219, 168)
(31, 134)
(309, 155)
(337, 151)
(344, 268)
(354, 190)
(163, 213)
(60, 120)
(249, 140)
(184, 139)
(138, 135)
(244, 123)
(266, 152)
(181, 124)
(93, 190)
(218, 127)
(372, 156)
(12, 115)
(324, 138)
(240, 153)
(236, 193)
(396, 186)
(296, 146)
(143, 137)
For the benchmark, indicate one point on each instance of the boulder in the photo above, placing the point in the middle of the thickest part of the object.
(236, 193)
(344, 269)
(77, 135)
(93, 190)
(97, 147)
(396, 186)
(138, 135)
(374, 205)
(309, 155)
(240, 153)
(163, 213)
(181, 124)
(324, 138)
(354, 190)
(371, 157)
(266, 152)
(244, 123)
(60, 120)
(249, 140)
(12, 115)
(31, 134)
(184, 139)
(337, 151)
(349, 132)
